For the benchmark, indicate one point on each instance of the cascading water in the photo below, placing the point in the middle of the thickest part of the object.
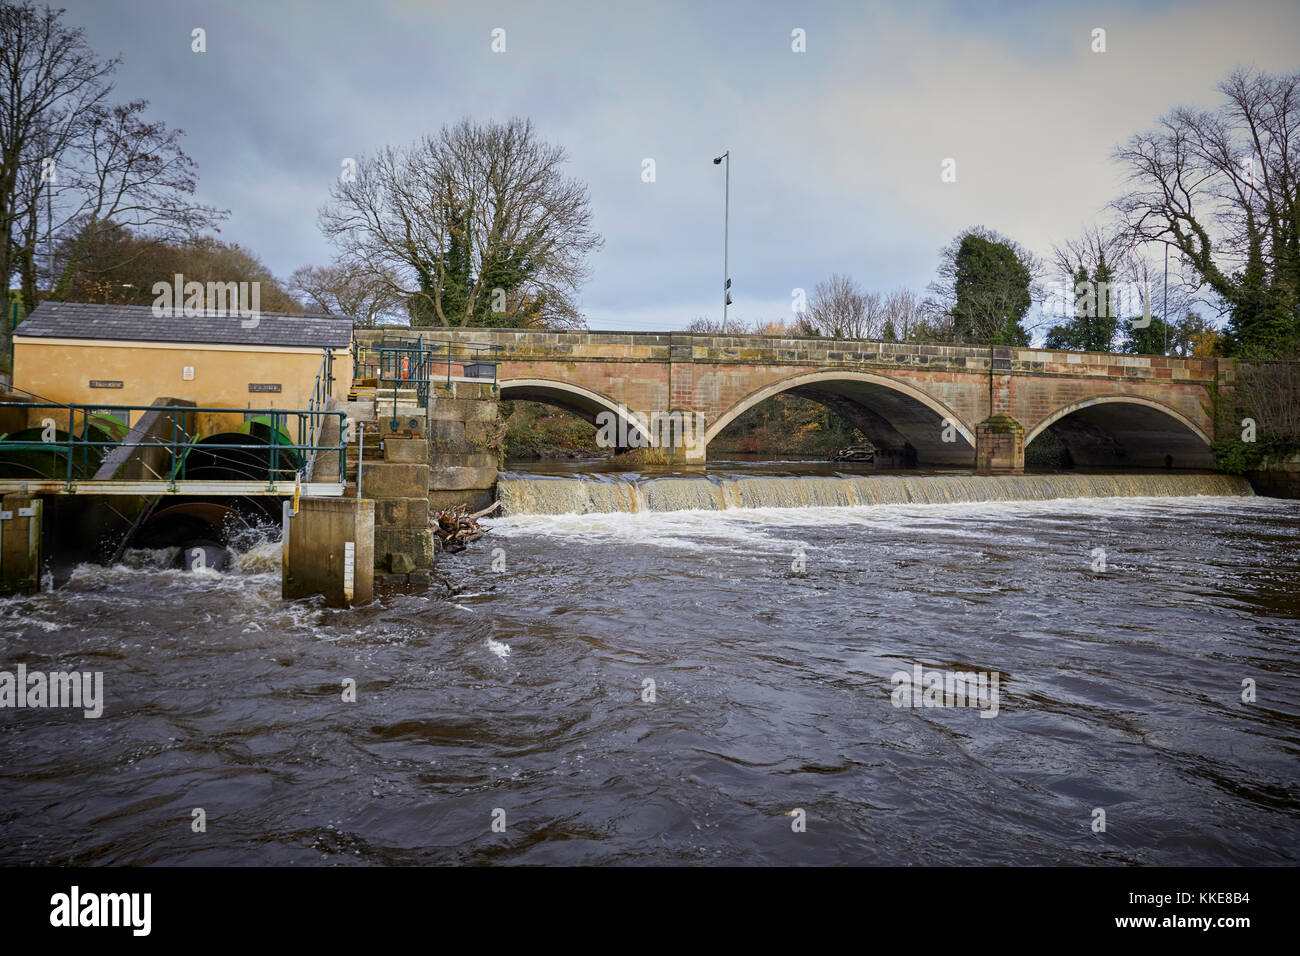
(603, 494)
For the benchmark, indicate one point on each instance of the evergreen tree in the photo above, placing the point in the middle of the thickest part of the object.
(1099, 327)
(1094, 324)
(1149, 340)
(992, 293)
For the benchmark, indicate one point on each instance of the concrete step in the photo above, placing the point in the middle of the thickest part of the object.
(359, 411)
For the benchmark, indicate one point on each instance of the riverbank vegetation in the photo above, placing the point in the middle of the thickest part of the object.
(534, 431)
(1258, 419)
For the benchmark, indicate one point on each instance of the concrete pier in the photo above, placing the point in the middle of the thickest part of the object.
(20, 544)
(462, 418)
(329, 549)
(1000, 446)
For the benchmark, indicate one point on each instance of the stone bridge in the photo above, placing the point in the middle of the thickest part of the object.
(925, 404)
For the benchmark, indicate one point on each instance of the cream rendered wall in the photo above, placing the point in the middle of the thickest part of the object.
(61, 370)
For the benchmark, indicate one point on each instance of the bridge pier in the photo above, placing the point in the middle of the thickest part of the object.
(686, 455)
(1000, 446)
(462, 459)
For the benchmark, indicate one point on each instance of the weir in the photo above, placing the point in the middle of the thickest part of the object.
(532, 494)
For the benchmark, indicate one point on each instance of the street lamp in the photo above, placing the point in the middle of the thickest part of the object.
(726, 233)
(1164, 309)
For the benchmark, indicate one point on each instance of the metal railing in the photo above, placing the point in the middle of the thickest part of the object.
(286, 459)
(406, 367)
(416, 362)
(320, 396)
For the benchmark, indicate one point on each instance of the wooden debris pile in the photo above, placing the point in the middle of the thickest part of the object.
(456, 527)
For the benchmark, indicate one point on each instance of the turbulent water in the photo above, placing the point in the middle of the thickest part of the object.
(652, 685)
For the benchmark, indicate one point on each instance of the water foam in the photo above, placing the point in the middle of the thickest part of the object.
(611, 494)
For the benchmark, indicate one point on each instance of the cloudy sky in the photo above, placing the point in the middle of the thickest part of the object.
(837, 150)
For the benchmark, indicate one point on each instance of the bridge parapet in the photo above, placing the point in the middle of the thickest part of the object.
(674, 347)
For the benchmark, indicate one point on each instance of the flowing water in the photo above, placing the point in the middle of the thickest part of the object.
(632, 682)
(532, 494)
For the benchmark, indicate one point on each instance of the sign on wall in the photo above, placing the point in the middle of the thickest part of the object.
(104, 383)
(264, 386)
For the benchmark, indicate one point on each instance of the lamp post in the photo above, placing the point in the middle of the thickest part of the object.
(1164, 309)
(726, 234)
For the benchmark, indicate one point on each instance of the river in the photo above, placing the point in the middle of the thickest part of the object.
(715, 685)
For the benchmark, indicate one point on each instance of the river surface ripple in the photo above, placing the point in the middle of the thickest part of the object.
(1119, 689)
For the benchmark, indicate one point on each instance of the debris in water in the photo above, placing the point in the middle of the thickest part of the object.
(456, 527)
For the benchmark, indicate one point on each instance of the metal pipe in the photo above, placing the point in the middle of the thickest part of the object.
(361, 453)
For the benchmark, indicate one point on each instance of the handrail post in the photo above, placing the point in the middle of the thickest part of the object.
(275, 446)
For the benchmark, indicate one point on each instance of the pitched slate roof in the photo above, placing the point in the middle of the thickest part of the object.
(137, 323)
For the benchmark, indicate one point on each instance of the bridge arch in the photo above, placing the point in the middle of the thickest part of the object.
(878, 405)
(584, 402)
(1127, 429)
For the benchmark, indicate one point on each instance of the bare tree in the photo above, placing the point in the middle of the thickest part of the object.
(1087, 250)
(935, 325)
(1137, 276)
(1270, 392)
(775, 327)
(1223, 187)
(120, 267)
(129, 172)
(702, 325)
(340, 290)
(902, 314)
(50, 79)
(839, 308)
(474, 226)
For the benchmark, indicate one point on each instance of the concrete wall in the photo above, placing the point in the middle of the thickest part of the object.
(329, 551)
(1280, 479)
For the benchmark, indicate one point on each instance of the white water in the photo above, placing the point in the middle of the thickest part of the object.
(531, 494)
